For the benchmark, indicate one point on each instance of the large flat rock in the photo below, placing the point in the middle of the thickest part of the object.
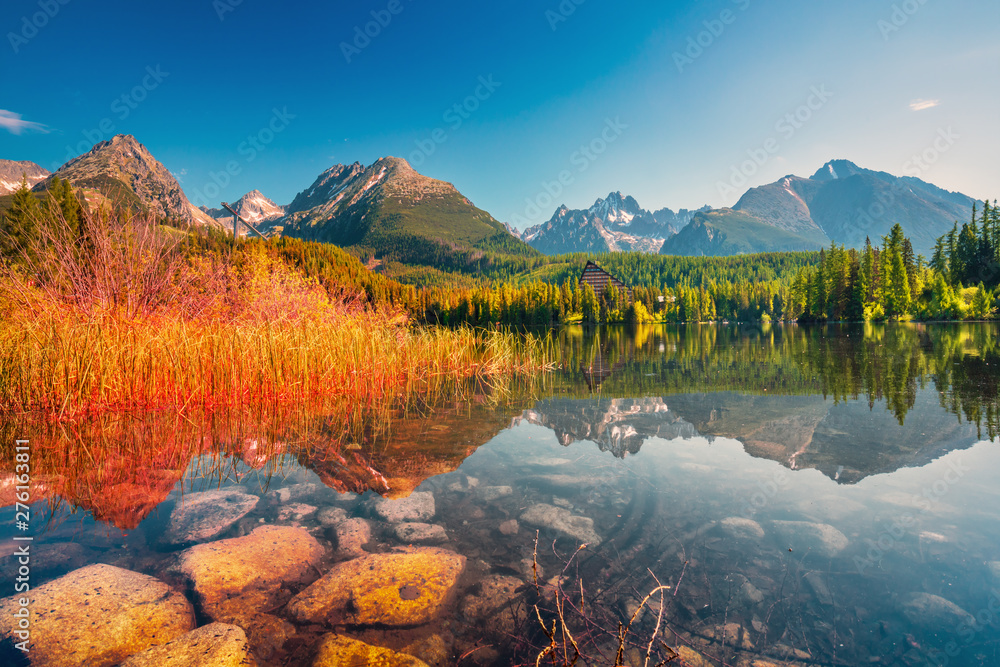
(199, 517)
(249, 567)
(562, 521)
(99, 615)
(213, 645)
(236, 580)
(340, 651)
(393, 589)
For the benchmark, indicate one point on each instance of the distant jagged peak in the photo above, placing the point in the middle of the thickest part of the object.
(12, 171)
(617, 208)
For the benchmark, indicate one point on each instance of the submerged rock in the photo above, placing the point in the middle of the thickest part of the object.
(494, 601)
(559, 482)
(299, 492)
(433, 650)
(249, 569)
(819, 587)
(295, 512)
(331, 516)
(99, 615)
(421, 532)
(213, 645)
(352, 536)
(201, 516)
(691, 658)
(338, 651)
(417, 506)
(489, 493)
(742, 529)
(509, 527)
(819, 537)
(562, 521)
(935, 612)
(394, 589)
(234, 579)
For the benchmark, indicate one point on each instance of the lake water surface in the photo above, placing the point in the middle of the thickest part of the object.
(811, 495)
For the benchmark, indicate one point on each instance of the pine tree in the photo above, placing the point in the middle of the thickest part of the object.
(19, 226)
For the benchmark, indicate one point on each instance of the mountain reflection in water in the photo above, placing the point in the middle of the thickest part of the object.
(688, 424)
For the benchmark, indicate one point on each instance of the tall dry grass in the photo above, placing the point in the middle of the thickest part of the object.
(117, 315)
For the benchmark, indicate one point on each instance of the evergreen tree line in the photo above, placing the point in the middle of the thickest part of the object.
(971, 255)
(889, 282)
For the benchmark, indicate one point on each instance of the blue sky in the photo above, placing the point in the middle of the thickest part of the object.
(679, 104)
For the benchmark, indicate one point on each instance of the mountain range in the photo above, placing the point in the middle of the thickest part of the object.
(389, 211)
(841, 203)
(614, 224)
(11, 173)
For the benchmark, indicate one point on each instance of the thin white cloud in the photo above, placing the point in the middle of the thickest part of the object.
(920, 105)
(13, 123)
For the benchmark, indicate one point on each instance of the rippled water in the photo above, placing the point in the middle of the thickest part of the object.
(821, 496)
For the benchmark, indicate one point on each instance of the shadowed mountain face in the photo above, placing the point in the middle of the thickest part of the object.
(845, 203)
(841, 202)
(727, 232)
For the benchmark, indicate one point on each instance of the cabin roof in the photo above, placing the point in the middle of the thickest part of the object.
(600, 279)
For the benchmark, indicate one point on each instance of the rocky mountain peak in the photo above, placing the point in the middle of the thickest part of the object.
(123, 171)
(836, 169)
(12, 171)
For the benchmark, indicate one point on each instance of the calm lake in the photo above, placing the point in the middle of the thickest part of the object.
(811, 495)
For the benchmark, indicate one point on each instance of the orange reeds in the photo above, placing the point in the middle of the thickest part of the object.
(117, 316)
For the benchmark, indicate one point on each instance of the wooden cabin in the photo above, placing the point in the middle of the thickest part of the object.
(601, 280)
